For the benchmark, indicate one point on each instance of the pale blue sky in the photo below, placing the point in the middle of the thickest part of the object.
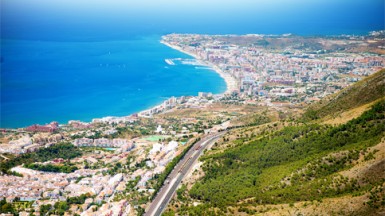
(201, 16)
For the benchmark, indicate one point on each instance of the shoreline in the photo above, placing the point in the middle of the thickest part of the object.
(231, 85)
(231, 82)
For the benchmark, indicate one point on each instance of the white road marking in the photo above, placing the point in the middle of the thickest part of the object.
(165, 194)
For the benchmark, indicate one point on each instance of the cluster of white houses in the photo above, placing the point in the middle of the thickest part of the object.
(103, 142)
(26, 144)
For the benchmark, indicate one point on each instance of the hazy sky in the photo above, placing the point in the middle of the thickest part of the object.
(28, 17)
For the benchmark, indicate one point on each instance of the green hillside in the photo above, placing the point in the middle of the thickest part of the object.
(363, 92)
(256, 169)
(300, 163)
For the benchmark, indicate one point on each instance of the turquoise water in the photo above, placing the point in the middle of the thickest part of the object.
(43, 81)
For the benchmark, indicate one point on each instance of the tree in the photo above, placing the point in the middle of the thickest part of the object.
(7, 208)
(61, 207)
(44, 209)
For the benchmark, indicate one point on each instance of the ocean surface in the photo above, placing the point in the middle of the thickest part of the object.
(43, 81)
(77, 60)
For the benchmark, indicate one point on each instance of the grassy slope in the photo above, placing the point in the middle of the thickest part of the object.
(299, 163)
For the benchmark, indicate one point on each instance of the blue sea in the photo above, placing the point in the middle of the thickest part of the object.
(44, 81)
(78, 60)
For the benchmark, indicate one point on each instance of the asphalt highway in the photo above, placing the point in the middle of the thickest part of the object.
(180, 170)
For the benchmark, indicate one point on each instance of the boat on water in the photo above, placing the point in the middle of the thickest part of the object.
(169, 61)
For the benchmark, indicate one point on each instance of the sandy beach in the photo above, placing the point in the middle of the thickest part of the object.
(231, 82)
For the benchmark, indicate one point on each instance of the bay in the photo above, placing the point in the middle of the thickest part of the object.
(45, 81)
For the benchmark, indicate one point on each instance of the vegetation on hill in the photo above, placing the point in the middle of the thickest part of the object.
(61, 207)
(6, 208)
(52, 168)
(61, 150)
(252, 120)
(296, 163)
(363, 92)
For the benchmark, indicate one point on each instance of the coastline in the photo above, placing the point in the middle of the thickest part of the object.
(231, 82)
(90, 118)
(231, 85)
